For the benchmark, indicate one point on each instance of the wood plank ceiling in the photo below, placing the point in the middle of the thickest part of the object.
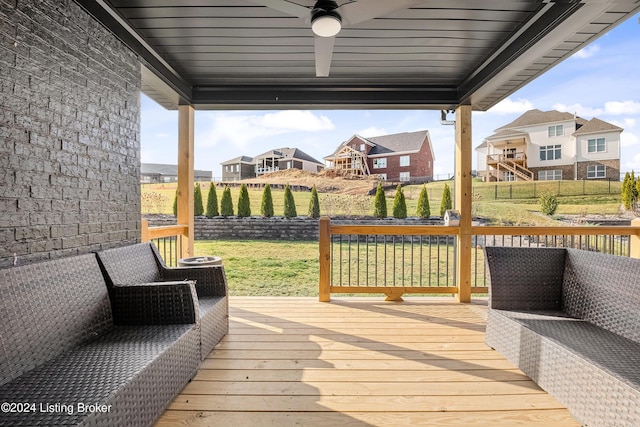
(437, 54)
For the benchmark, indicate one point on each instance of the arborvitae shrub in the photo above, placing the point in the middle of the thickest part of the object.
(423, 210)
(266, 209)
(212, 202)
(445, 203)
(226, 204)
(175, 204)
(289, 203)
(399, 204)
(548, 203)
(244, 205)
(198, 208)
(314, 204)
(380, 203)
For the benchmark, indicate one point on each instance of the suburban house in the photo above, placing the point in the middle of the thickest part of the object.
(406, 157)
(154, 173)
(244, 167)
(551, 145)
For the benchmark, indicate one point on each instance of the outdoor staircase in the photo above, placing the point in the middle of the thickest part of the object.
(521, 172)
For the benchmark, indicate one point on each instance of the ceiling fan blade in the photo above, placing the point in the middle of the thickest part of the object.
(287, 7)
(360, 11)
(324, 52)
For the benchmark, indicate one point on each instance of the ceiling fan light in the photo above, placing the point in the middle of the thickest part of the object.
(326, 24)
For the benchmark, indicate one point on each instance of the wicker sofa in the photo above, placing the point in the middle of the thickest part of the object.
(141, 263)
(73, 352)
(570, 320)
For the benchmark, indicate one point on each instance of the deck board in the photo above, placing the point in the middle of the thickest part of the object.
(359, 362)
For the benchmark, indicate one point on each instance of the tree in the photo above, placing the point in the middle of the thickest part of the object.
(212, 202)
(266, 209)
(244, 205)
(314, 204)
(289, 203)
(380, 203)
(423, 210)
(629, 191)
(226, 204)
(399, 204)
(198, 208)
(548, 203)
(445, 203)
(175, 204)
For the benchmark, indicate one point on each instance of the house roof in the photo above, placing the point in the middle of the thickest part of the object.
(433, 54)
(537, 117)
(507, 134)
(596, 125)
(235, 160)
(169, 170)
(398, 142)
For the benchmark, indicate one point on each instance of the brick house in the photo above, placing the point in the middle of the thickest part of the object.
(551, 145)
(244, 167)
(406, 157)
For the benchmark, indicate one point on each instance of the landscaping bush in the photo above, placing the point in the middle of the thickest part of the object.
(399, 204)
(226, 204)
(289, 203)
(244, 205)
(314, 204)
(629, 190)
(175, 204)
(423, 210)
(548, 203)
(266, 209)
(380, 203)
(198, 207)
(446, 202)
(212, 202)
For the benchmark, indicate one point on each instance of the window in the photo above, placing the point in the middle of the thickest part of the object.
(405, 176)
(383, 176)
(362, 147)
(550, 152)
(596, 145)
(508, 176)
(550, 175)
(557, 130)
(380, 163)
(596, 171)
(405, 160)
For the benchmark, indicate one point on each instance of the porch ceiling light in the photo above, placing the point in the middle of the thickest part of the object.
(326, 23)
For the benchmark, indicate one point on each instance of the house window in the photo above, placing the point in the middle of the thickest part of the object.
(550, 175)
(508, 176)
(405, 160)
(557, 130)
(380, 163)
(596, 171)
(362, 147)
(550, 152)
(405, 176)
(383, 176)
(596, 145)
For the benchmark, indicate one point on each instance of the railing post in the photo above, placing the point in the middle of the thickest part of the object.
(324, 236)
(634, 241)
(185, 175)
(144, 231)
(463, 201)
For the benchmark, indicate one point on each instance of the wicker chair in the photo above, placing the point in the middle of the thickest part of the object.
(65, 345)
(570, 320)
(141, 263)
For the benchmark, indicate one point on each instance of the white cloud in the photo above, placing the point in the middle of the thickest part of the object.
(372, 131)
(629, 123)
(240, 129)
(632, 164)
(587, 52)
(624, 107)
(628, 139)
(579, 109)
(509, 106)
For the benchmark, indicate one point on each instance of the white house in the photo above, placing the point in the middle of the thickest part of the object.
(551, 145)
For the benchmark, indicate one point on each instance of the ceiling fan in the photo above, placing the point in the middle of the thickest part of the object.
(327, 19)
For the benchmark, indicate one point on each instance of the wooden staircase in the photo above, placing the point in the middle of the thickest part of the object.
(521, 172)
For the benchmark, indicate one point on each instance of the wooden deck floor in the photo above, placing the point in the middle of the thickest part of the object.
(359, 362)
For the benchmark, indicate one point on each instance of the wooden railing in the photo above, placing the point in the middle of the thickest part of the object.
(169, 239)
(398, 259)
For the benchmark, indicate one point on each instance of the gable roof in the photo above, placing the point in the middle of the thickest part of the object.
(398, 142)
(288, 153)
(596, 125)
(235, 160)
(537, 117)
(506, 134)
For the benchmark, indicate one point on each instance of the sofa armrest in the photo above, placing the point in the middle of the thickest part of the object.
(525, 278)
(158, 303)
(210, 281)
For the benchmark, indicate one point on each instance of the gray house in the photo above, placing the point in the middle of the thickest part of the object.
(244, 167)
(155, 173)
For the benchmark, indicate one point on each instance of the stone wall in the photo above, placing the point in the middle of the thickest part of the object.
(69, 133)
(277, 228)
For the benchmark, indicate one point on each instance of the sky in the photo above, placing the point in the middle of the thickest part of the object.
(602, 81)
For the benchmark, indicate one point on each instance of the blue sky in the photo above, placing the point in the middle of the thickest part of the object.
(600, 81)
